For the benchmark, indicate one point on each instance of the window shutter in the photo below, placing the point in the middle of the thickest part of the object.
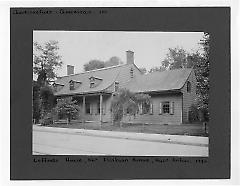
(140, 108)
(104, 108)
(91, 109)
(160, 108)
(172, 108)
(151, 108)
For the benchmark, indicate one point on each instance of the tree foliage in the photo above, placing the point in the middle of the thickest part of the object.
(98, 64)
(46, 99)
(46, 60)
(176, 58)
(113, 61)
(202, 71)
(93, 65)
(36, 111)
(67, 107)
(157, 69)
(127, 102)
(46, 104)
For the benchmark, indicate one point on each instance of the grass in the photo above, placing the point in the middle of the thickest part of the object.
(183, 129)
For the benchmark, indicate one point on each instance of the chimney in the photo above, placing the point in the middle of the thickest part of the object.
(130, 57)
(70, 69)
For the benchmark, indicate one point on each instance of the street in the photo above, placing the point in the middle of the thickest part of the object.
(55, 143)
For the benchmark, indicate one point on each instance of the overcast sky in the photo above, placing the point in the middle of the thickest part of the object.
(150, 48)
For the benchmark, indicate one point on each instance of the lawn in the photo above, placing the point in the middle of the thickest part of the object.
(183, 129)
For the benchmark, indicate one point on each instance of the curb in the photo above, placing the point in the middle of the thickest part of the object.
(175, 139)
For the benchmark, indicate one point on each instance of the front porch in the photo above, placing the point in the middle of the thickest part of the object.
(93, 108)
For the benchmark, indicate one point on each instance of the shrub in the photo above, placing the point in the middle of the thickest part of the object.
(47, 119)
(67, 108)
(193, 114)
(126, 102)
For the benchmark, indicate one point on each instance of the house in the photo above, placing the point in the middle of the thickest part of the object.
(172, 92)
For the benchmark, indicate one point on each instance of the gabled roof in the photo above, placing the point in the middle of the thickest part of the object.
(160, 81)
(107, 76)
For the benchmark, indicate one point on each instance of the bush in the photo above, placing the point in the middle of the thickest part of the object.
(193, 114)
(67, 108)
(47, 119)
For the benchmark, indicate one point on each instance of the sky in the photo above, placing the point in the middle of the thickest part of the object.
(150, 48)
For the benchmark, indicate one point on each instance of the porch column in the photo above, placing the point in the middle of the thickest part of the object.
(84, 108)
(111, 110)
(101, 99)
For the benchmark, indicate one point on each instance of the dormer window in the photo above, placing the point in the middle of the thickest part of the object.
(131, 73)
(92, 84)
(57, 86)
(188, 86)
(74, 84)
(116, 86)
(94, 81)
(71, 85)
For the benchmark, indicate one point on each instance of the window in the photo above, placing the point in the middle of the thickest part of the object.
(71, 85)
(131, 73)
(116, 86)
(88, 110)
(166, 107)
(145, 108)
(92, 84)
(188, 86)
(151, 108)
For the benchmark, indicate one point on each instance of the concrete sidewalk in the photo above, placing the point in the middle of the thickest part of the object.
(176, 139)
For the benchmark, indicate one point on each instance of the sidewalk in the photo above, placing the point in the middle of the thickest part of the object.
(176, 139)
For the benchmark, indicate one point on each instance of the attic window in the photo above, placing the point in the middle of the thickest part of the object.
(188, 86)
(131, 73)
(71, 85)
(116, 86)
(92, 84)
(94, 81)
(57, 86)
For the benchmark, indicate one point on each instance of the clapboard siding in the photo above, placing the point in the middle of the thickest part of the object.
(157, 118)
(189, 98)
(124, 75)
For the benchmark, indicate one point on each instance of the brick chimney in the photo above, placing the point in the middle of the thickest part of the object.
(70, 69)
(130, 57)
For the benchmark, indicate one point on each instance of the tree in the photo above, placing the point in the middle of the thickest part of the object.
(46, 60)
(113, 61)
(202, 70)
(176, 58)
(46, 100)
(98, 64)
(36, 102)
(157, 69)
(93, 65)
(46, 104)
(126, 102)
(68, 108)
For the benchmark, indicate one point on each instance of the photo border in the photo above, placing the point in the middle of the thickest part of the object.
(214, 20)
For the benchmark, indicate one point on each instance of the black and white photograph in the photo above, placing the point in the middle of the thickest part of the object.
(125, 93)
(121, 93)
